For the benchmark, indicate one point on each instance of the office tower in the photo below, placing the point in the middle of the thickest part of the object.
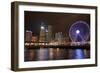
(48, 33)
(42, 37)
(28, 36)
(59, 37)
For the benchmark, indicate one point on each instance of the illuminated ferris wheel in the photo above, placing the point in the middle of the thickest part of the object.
(79, 31)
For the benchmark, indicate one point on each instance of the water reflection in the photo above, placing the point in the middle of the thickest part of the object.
(56, 54)
(79, 54)
(42, 54)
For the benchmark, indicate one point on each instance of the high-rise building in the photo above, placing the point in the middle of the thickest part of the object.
(49, 33)
(59, 37)
(28, 36)
(42, 35)
(45, 33)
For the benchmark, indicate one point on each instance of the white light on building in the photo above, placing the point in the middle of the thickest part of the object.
(42, 27)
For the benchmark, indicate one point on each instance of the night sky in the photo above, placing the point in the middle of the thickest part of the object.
(60, 21)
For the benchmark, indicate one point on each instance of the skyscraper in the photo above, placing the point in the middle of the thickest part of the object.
(49, 33)
(28, 36)
(59, 37)
(42, 35)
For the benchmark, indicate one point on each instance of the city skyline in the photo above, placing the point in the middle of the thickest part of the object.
(45, 35)
(60, 22)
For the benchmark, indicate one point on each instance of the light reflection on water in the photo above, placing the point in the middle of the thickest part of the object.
(79, 54)
(56, 54)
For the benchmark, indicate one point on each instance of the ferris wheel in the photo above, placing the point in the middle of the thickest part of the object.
(79, 31)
